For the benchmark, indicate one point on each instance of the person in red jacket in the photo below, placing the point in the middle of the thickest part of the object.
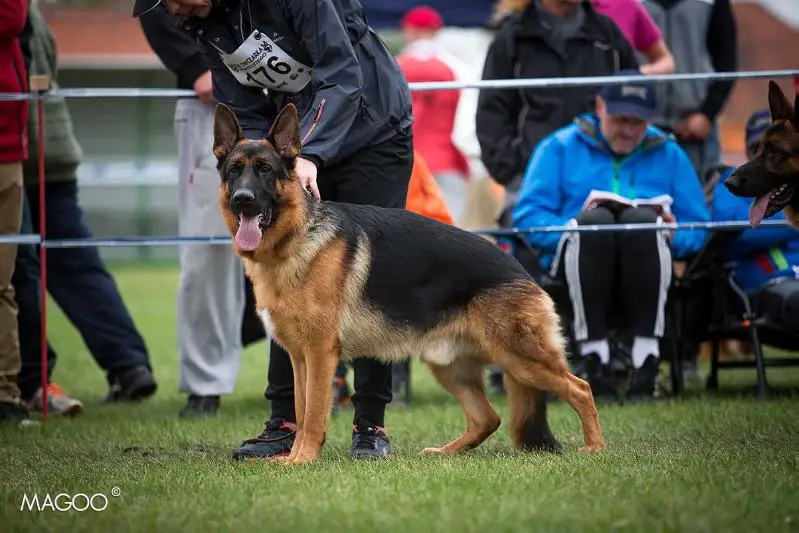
(13, 151)
(424, 60)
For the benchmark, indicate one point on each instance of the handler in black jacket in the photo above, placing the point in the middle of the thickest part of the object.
(355, 109)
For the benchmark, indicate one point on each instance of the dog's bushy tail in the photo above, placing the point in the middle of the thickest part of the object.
(528, 424)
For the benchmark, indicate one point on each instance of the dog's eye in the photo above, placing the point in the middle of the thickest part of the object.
(263, 169)
(234, 171)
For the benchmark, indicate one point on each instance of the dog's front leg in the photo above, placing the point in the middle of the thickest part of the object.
(319, 367)
(298, 369)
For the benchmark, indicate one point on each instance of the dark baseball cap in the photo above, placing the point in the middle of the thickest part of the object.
(634, 98)
(140, 7)
(757, 125)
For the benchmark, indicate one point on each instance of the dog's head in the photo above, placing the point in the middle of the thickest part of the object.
(257, 177)
(772, 175)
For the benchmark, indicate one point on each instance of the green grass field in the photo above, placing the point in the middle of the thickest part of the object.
(724, 462)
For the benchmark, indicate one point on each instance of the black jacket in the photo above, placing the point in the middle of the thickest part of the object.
(510, 123)
(357, 95)
(177, 51)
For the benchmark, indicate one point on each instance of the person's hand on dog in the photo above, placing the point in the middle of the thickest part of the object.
(305, 170)
(192, 8)
(204, 88)
(695, 126)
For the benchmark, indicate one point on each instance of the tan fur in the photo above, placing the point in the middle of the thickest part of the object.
(316, 309)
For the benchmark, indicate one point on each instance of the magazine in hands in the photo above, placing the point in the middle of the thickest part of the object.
(660, 204)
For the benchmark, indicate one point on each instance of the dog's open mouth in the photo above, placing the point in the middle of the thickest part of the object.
(769, 204)
(251, 228)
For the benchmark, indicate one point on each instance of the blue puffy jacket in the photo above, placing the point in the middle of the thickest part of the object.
(574, 160)
(762, 254)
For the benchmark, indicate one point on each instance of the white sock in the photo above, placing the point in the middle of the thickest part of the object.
(600, 347)
(643, 347)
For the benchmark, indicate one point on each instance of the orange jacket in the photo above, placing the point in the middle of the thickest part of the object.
(424, 194)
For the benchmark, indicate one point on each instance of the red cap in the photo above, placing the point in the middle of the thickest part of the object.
(422, 17)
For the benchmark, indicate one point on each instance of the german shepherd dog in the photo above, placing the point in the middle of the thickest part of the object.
(338, 281)
(772, 176)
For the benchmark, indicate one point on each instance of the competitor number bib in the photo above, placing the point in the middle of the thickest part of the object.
(259, 62)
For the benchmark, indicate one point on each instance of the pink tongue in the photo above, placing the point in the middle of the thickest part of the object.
(758, 210)
(249, 234)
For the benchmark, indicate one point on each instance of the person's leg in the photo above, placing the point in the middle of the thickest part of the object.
(211, 298)
(84, 289)
(377, 176)
(11, 410)
(587, 263)
(26, 281)
(646, 272)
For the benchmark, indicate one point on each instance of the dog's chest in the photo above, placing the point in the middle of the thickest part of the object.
(266, 319)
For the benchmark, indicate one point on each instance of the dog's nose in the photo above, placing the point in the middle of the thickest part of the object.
(733, 183)
(243, 197)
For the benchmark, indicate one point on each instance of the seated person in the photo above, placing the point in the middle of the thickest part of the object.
(614, 150)
(764, 254)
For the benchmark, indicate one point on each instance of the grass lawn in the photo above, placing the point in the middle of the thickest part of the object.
(724, 462)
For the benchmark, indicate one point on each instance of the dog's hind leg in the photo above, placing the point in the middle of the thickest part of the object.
(528, 424)
(464, 379)
(529, 345)
(552, 375)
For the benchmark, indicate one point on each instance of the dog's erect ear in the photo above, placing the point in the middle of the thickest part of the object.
(227, 131)
(285, 133)
(779, 106)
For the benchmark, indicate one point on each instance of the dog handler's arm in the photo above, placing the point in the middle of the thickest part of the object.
(336, 75)
(689, 203)
(177, 51)
(539, 201)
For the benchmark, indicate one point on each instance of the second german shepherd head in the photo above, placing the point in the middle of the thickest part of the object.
(259, 192)
(772, 175)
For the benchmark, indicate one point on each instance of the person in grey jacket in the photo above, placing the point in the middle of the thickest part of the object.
(355, 120)
(702, 36)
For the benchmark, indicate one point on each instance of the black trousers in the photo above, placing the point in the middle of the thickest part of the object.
(611, 272)
(378, 175)
(81, 286)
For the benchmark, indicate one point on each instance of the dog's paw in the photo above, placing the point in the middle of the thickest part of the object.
(593, 448)
(434, 451)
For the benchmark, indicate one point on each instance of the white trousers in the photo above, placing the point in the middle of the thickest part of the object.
(211, 293)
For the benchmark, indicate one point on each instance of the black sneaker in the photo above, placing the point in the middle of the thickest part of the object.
(369, 443)
(198, 406)
(130, 385)
(642, 385)
(276, 440)
(14, 414)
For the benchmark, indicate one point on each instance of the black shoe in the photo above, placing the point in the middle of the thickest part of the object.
(131, 384)
(644, 379)
(369, 443)
(276, 440)
(14, 414)
(198, 406)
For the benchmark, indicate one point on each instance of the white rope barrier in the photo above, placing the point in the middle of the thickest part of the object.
(528, 83)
